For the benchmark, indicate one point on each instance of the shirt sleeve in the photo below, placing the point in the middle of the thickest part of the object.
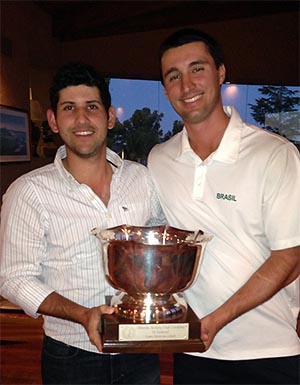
(282, 197)
(23, 246)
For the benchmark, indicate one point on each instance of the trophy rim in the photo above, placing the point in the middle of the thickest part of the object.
(190, 237)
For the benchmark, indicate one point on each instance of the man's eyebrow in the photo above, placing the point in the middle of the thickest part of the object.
(94, 101)
(86, 102)
(196, 62)
(66, 102)
(193, 63)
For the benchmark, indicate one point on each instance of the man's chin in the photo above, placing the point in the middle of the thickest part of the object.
(193, 118)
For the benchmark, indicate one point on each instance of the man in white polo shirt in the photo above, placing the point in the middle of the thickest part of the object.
(242, 185)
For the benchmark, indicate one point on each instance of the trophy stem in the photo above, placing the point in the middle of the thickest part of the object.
(149, 307)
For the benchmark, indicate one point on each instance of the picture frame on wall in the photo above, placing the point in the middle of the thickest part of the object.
(14, 134)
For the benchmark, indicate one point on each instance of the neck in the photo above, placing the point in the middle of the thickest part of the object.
(205, 137)
(93, 172)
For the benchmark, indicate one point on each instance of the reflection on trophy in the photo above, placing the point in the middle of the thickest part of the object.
(151, 267)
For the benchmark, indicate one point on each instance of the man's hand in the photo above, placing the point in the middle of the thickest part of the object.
(58, 306)
(91, 323)
(209, 328)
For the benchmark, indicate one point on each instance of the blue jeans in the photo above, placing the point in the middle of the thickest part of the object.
(65, 364)
(190, 369)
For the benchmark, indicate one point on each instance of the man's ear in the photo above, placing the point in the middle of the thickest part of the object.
(222, 74)
(52, 121)
(112, 115)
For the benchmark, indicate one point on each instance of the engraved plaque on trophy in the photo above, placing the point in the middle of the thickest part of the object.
(151, 267)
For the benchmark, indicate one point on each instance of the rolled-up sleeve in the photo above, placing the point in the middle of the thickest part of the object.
(23, 246)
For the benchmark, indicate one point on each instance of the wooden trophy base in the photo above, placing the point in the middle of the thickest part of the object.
(120, 335)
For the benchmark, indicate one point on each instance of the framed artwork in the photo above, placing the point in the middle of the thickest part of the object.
(14, 135)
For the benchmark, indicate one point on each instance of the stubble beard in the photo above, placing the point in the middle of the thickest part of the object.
(200, 115)
(96, 149)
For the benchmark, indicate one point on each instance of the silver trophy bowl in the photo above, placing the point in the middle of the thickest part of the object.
(150, 267)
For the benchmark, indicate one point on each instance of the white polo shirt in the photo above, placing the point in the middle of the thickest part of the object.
(246, 194)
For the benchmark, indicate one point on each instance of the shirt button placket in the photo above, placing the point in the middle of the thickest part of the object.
(199, 181)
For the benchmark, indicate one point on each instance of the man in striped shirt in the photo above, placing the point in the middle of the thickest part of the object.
(50, 261)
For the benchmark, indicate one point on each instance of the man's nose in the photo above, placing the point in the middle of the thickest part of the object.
(187, 82)
(82, 115)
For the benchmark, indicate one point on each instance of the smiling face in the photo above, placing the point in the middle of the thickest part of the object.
(192, 81)
(81, 120)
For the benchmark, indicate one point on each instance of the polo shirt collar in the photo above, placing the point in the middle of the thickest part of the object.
(228, 149)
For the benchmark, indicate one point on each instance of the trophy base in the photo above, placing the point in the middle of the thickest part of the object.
(120, 335)
(149, 308)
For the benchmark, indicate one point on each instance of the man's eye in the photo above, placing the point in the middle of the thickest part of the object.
(68, 108)
(173, 77)
(198, 69)
(92, 107)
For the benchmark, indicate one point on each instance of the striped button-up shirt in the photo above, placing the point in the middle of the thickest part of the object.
(46, 239)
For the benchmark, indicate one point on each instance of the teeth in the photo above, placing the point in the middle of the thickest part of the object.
(191, 100)
(83, 133)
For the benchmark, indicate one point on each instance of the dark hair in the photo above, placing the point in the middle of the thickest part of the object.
(190, 35)
(75, 74)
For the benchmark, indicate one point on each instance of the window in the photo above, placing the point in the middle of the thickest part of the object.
(275, 108)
